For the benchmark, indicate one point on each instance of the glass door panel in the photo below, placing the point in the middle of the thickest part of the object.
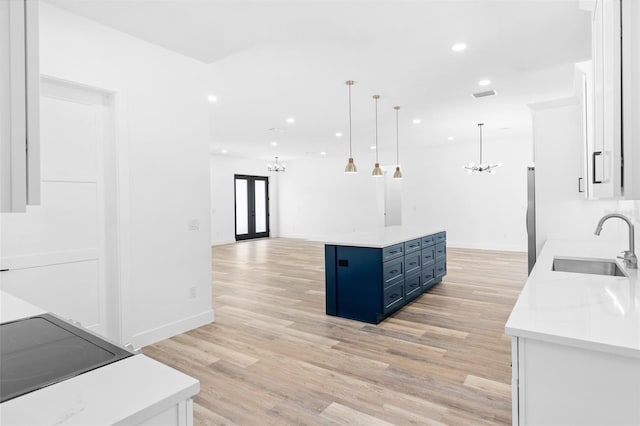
(252, 207)
(260, 200)
(242, 207)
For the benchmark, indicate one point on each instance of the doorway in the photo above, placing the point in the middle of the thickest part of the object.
(251, 206)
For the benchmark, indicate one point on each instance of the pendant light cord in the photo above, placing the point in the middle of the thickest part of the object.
(376, 97)
(397, 143)
(350, 83)
(480, 126)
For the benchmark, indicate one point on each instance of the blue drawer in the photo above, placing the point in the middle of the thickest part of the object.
(441, 268)
(413, 245)
(412, 286)
(441, 250)
(393, 297)
(428, 255)
(392, 252)
(429, 240)
(392, 270)
(441, 237)
(428, 275)
(412, 263)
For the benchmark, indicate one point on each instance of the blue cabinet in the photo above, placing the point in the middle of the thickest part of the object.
(368, 284)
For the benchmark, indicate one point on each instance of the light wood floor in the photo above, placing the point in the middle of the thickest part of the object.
(274, 357)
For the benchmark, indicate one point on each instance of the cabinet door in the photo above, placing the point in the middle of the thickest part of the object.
(606, 153)
(19, 105)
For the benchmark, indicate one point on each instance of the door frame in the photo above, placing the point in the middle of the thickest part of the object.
(115, 244)
(251, 234)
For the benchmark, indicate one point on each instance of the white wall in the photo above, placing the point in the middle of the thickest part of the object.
(223, 169)
(478, 211)
(562, 212)
(162, 124)
(317, 198)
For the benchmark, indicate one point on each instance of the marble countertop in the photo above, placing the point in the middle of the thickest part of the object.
(589, 311)
(379, 237)
(124, 392)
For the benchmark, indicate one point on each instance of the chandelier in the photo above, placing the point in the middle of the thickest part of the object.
(481, 167)
(275, 167)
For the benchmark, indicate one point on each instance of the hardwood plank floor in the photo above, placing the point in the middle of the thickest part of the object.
(274, 357)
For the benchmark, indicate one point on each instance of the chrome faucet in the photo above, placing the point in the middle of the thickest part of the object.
(629, 256)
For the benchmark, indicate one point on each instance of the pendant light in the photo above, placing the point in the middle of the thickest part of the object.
(377, 171)
(490, 168)
(398, 173)
(351, 166)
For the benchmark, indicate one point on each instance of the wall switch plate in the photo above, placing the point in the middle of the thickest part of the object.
(193, 224)
(193, 292)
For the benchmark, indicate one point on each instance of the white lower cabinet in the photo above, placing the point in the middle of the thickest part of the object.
(180, 414)
(556, 384)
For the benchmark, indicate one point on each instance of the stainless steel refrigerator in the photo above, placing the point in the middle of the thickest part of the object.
(531, 216)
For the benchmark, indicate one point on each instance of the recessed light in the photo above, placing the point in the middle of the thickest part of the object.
(224, 151)
(458, 47)
(212, 98)
(373, 147)
(338, 134)
(291, 120)
(416, 121)
(323, 153)
(274, 143)
(484, 82)
(450, 138)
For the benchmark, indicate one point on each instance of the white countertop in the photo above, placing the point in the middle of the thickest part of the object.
(125, 392)
(379, 237)
(589, 311)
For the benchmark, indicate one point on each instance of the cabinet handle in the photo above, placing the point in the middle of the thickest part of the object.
(4, 270)
(394, 271)
(412, 263)
(394, 295)
(593, 158)
(580, 185)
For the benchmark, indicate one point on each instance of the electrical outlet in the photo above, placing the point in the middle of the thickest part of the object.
(193, 292)
(193, 225)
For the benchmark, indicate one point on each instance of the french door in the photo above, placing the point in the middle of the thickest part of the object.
(252, 206)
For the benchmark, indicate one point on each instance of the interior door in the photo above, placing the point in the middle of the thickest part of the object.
(251, 206)
(54, 254)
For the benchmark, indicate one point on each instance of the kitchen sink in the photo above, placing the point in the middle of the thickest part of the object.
(587, 266)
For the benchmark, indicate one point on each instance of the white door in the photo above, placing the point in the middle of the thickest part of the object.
(392, 199)
(56, 252)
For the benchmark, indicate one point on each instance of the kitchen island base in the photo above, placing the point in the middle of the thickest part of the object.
(369, 283)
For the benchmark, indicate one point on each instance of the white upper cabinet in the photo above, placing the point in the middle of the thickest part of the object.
(19, 105)
(610, 95)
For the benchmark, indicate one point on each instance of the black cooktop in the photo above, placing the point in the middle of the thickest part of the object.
(42, 350)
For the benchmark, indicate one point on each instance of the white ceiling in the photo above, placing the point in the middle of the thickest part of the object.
(269, 60)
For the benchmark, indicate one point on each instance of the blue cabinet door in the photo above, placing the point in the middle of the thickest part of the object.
(359, 278)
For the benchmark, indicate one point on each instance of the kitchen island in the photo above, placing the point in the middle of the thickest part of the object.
(133, 391)
(576, 341)
(370, 275)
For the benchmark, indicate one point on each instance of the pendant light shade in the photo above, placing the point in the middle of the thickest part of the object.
(377, 171)
(398, 173)
(351, 166)
(481, 167)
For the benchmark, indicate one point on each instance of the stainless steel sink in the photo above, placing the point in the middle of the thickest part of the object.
(587, 266)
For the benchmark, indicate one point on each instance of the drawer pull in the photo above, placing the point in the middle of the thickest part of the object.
(413, 263)
(394, 295)
(395, 271)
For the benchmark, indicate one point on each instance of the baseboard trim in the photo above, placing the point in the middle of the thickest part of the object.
(166, 331)
(221, 243)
